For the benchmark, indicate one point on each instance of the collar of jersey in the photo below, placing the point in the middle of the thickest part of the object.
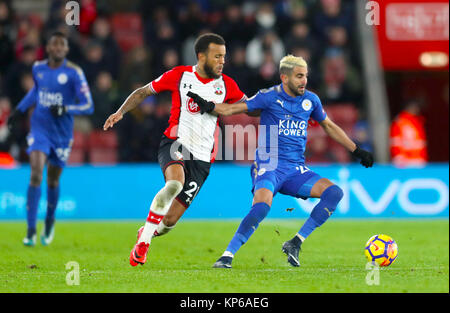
(62, 64)
(203, 80)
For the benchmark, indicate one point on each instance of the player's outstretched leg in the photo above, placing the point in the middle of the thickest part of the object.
(48, 232)
(33, 196)
(37, 163)
(245, 230)
(159, 207)
(53, 174)
(329, 200)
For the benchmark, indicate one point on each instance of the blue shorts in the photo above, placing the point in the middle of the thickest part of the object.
(57, 154)
(288, 179)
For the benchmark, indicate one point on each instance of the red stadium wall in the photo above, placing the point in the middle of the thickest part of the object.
(413, 34)
(413, 40)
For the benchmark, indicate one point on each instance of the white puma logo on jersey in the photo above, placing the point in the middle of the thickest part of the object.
(280, 102)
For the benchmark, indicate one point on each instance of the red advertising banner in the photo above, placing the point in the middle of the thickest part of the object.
(413, 34)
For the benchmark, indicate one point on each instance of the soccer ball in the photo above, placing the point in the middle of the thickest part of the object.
(381, 249)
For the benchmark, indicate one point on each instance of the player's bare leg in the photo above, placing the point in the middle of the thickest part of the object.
(53, 175)
(262, 201)
(37, 163)
(170, 219)
(329, 195)
(174, 175)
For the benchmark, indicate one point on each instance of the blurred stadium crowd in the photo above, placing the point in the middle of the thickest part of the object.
(122, 46)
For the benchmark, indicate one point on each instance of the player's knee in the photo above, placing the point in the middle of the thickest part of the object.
(173, 188)
(333, 194)
(52, 182)
(36, 178)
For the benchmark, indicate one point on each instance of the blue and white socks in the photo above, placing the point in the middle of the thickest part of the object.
(322, 211)
(247, 227)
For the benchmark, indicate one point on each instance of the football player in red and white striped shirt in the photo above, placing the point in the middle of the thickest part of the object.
(187, 146)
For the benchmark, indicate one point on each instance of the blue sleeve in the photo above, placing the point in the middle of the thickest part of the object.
(85, 104)
(257, 102)
(318, 113)
(30, 98)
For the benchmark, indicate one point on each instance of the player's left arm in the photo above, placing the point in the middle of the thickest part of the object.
(85, 103)
(338, 134)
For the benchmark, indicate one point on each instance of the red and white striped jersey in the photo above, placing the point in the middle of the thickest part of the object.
(193, 130)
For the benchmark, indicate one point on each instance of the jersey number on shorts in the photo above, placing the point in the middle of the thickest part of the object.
(63, 154)
(192, 192)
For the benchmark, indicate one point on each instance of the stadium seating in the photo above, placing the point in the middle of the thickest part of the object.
(345, 115)
(102, 147)
(127, 30)
(79, 147)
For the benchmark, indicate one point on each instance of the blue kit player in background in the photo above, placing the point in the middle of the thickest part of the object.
(280, 165)
(60, 91)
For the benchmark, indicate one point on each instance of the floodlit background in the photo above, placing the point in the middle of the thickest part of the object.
(366, 59)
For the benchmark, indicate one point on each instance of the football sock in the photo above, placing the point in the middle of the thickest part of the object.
(162, 229)
(248, 226)
(33, 197)
(52, 202)
(159, 207)
(322, 211)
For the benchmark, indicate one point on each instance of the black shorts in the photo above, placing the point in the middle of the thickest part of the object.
(195, 171)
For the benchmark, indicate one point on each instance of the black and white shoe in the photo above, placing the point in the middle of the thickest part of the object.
(292, 248)
(223, 262)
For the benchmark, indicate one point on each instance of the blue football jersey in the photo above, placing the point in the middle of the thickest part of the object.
(65, 85)
(284, 123)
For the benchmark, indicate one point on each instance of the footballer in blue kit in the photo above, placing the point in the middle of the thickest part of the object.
(279, 164)
(60, 91)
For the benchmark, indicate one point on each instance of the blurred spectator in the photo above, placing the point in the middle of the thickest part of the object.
(94, 61)
(105, 97)
(29, 35)
(15, 73)
(158, 16)
(318, 149)
(170, 59)
(101, 32)
(408, 142)
(88, 14)
(265, 17)
(136, 68)
(341, 81)
(166, 38)
(332, 13)
(257, 48)
(236, 68)
(267, 75)
(5, 110)
(141, 132)
(191, 19)
(187, 50)
(6, 50)
(299, 36)
(6, 17)
(231, 26)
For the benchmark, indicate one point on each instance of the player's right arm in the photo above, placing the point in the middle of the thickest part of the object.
(166, 82)
(132, 101)
(254, 104)
(227, 109)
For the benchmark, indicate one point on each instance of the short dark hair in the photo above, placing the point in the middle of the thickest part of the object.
(202, 42)
(57, 34)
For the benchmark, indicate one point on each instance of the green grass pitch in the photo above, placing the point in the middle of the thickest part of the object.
(332, 260)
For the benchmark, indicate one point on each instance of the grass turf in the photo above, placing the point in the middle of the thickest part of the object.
(332, 260)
